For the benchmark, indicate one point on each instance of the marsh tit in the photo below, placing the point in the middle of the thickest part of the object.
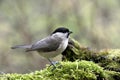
(50, 46)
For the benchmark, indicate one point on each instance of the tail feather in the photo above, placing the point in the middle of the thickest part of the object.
(21, 46)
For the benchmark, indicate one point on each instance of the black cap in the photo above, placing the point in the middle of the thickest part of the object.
(62, 29)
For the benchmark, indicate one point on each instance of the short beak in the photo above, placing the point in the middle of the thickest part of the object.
(70, 32)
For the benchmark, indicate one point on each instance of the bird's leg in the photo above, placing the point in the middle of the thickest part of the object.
(52, 63)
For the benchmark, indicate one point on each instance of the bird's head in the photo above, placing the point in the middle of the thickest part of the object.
(62, 31)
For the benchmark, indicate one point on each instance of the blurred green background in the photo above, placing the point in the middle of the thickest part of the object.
(95, 23)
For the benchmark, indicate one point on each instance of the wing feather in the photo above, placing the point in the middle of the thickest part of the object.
(46, 45)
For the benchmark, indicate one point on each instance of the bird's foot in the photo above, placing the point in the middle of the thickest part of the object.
(55, 65)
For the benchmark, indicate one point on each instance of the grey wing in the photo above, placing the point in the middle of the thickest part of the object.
(45, 45)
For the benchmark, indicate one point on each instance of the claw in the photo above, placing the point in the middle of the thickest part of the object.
(53, 64)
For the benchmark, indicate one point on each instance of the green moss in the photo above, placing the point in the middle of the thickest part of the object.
(83, 70)
(109, 58)
(112, 75)
(75, 52)
(78, 70)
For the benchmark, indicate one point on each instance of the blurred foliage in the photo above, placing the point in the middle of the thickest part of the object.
(95, 23)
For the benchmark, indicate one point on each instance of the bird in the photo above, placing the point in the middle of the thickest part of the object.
(50, 46)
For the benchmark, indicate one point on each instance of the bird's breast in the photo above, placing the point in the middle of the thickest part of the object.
(63, 45)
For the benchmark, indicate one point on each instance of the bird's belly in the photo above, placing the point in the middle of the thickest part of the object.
(49, 54)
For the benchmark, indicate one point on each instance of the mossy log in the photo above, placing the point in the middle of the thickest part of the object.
(77, 70)
(108, 58)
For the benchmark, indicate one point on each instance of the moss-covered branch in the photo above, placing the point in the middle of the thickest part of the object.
(108, 59)
(78, 70)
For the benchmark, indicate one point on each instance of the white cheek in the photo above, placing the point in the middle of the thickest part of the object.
(61, 35)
